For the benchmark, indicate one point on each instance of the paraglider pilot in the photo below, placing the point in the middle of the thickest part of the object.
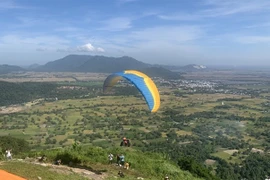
(125, 142)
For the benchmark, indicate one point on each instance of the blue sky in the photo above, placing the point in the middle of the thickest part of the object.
(175, 32)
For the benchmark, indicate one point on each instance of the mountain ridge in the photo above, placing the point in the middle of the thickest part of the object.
(5, 68)
(104, 64)
(89, 63)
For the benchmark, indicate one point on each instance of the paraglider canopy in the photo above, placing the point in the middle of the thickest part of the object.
(142, 82)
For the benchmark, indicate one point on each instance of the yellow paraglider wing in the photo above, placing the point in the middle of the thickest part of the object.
(142, 82)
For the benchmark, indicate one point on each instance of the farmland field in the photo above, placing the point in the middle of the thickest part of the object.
(231, 119)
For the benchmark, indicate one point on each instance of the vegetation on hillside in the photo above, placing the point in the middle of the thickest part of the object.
(17, 93)
(146, 165)
(214, 131)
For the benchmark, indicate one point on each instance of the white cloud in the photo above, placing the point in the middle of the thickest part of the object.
(84, 48)
(155, 40)
(67, 29)
(235, 8)
(41, 49)
(28, 21)
(157, 44)
(8, 4)
(99, 49)
(265, 24)
(89, 48)
(219, 8)
(38, 40)
(26, 44)
(180, 17)
(172, 34)
(253, 39)
(127, 1)
(116, 24)
(23, 43)
(121, 2)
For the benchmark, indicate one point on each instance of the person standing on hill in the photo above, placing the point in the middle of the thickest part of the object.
(118, 160)
(122, 160)
(125, 142)
(9, 156)
(110, 158)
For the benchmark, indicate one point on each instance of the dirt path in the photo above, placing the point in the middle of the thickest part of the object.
(67, 170)
(11, 109)
(60, 169)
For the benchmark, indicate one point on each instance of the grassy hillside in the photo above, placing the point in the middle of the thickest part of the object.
(146, 165)
(34, 172)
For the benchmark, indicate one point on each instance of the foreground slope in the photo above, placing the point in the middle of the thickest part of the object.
(93, 159)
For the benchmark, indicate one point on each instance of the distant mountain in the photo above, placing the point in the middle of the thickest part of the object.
(4, 69)
(103, 64)
(33, 66)
(68, 63)
(88, 63)
(161, 72)
(100, 64)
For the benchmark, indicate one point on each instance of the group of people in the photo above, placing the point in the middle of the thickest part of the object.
(120, 160)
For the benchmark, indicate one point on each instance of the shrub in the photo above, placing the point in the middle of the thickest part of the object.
(17, 145)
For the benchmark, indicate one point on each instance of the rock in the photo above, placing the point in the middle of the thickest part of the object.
(43, 164)
(86, 173)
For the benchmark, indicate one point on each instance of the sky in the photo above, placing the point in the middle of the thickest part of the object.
(169, 32)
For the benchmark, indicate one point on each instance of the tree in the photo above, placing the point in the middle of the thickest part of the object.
(189, 164)
(17, 145)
